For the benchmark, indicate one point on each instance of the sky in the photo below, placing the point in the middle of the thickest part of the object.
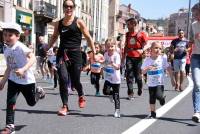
(155, 9)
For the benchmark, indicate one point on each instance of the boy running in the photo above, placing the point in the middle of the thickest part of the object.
(154, 66)
(19, 74)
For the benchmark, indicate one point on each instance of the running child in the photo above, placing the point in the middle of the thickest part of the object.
(95, 68)
(112, 74)
(154, 66)
(53, 66)
(19, 74)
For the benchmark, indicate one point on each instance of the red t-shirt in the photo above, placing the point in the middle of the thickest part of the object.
(135, 41)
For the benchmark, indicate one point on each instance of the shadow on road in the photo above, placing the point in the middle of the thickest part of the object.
(18, 127)
(181, 121)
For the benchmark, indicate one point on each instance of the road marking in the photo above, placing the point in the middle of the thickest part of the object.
(145, 123)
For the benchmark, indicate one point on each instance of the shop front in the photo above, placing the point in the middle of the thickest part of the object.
(25, 20)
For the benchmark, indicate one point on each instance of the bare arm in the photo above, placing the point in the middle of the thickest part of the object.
(31, 60)
(86, 34)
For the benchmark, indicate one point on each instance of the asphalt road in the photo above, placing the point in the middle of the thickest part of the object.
(97, 117)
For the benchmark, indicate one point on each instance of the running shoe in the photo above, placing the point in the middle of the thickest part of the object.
(82, 102)
(196, 117)
(97, 94)
(117, 113)
(152, 115)
(130, 97)
(139, 92)
(9, 129)
(111, 98)
(40, 93)
(63, 111)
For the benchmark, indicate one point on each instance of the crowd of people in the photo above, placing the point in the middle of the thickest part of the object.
(66, 62)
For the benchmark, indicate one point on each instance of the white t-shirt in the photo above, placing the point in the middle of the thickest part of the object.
(155, 77)
(111, 74)
(16, 57)
(53, 60)
(50, 53)
(196, 37)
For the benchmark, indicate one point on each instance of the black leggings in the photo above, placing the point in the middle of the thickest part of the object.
(72, 71)
(114, 92)
(13, 91)
(94, 77)
(156, 93)
(187, 69)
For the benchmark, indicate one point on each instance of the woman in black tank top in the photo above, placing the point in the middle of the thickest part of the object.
(69, 59)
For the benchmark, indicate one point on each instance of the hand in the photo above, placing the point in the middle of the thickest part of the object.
(152, 68)
(140, 51)
(19, 72)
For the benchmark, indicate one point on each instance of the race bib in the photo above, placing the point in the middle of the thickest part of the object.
(96, 66)
(155, 77)
(109, 71)
(132, 41)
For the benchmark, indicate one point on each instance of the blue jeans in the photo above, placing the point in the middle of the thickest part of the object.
(195, 67)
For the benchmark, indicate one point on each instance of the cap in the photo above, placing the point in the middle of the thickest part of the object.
(13, 26)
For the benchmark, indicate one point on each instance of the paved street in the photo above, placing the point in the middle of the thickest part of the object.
(97, 117)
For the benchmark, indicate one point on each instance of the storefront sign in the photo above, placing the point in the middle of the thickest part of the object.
(25, 19)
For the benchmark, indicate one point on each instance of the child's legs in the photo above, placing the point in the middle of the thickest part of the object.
(92, 78)
(55, 78)
(187, 69)
(12, 94)
(51, 70)
(97, 82)
(116, 88)
(28, 92)
(152, 98)
(159, 92)
(107, 88)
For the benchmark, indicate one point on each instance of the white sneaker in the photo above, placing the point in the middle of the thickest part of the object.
(40, 92)
(111, 98)
(196, 117)
(130, 97)
(117, 113)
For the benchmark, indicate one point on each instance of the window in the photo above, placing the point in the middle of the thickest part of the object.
(30, 4)
(19, 3)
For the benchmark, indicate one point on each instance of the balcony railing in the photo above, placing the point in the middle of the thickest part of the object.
(42, 8)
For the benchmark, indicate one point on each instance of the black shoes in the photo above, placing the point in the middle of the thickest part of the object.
(152, 115)
(139, 92)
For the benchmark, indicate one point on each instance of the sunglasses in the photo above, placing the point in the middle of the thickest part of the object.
(68, 6)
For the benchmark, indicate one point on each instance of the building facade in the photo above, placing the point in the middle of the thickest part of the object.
(126, 12)
(178, 21)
